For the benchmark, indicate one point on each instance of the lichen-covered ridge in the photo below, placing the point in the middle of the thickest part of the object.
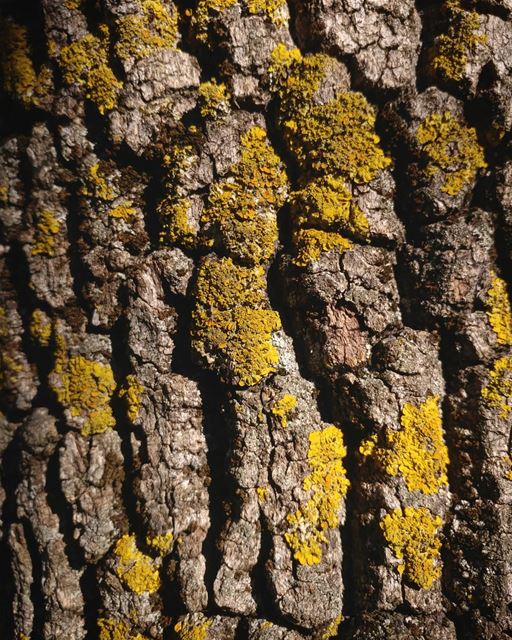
(255, 320)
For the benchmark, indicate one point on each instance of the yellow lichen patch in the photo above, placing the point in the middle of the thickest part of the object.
(110, 629)
(508, 464)
(193, 627)
(85, 62)
(176, 224)
(328, 483)
(452, 49)
(242, 207)
(498, 310)
(262, 493)
(85, 388)
(97, 185)
(450, 148)
(125, 210)
(132, 391)
(138, 571)
(327, 203)
(213, 99)
(4, 194)
(412, 536)
(9, 370)
(4, 324)
(498, 392)
(310, 244)
(283, 407)
(20, 80)
(204, 13)
(162, 543)
(417, 452)
(281, 59)
(331, 630)
(232, 323)
(155, 27)
(40, 327)
(273, 9)
(47, 227)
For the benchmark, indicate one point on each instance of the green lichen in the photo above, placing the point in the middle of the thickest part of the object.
(498, 392)
(154, 27)
(499, 311)
(232, 323)
(213, 99)
(412, 535)
(111, 629)
(310, 244)
(307, 527)
(327, 203)
(417, 452)
(47, 228)
(138, 571)
(241, 208)
(452, 49)
(85, 388)
(132, 391)
(20, 80)
(85, 63)
(452, 149)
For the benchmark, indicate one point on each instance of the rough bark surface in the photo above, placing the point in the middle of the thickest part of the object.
(255, 321)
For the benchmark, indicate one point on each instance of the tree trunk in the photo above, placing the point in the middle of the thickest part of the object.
(255, 323)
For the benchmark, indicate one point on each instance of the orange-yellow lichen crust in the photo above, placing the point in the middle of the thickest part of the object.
(232, 323)
(40, 328)
(331, 630)
(412, 536)
(328, 483)
(85, 62)
(132, 391)
(193, 627)
(111, 629)
(19, 78)
(452, 149)
(47, 228)
(499, 311)
(417, 452)
(154, 27)
(242, 208)
(83, 387)
(213, 99)
(161, 543)
(283, 407)
(452, 49)
(498, 391)
(138, 571)
(310, 244)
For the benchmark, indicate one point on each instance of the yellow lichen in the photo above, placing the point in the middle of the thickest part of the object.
(417, 452)
(40, 328)
(412, 536)
(281, 59)
(273, 9)
(161, 543)
(310, 244)
(4, 194)
(19, 77)
(262, 493)
(85, 388)
(85, 62)
(155, 27)
(176, 223)
(498, 392)
(331, 630)
(242, 207)
(125, 210)
(73, 4)
(452, 49)
(283, 407)
(232, 323)
(204, 13)
(327, 203)
(328, 484)
(193, 627)
(9, 370)
(97, 185)
(47, 228)
(498, 310)
(132, 391)
(213, 99)
(4, 324)
(138, 571)
(450, 148)
(508, 463)
(110, 629)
